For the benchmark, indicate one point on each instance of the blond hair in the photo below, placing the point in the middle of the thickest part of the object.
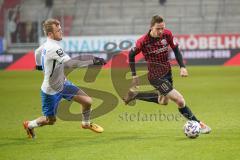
(48, 25)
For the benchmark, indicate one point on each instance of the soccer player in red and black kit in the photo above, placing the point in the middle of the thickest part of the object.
(154, 47)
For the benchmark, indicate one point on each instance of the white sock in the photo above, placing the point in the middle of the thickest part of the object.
(86, 123)
(32, 124)
(86, 117)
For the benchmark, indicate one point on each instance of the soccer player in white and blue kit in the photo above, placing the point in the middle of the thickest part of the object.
(51, 58)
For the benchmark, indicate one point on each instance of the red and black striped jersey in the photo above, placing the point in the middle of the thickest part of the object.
(155, 52)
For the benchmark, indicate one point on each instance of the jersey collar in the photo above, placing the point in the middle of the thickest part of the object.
(52, 40)
(152, 38)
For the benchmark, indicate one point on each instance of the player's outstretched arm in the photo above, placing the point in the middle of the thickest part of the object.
(38, 61)
(131, 57)
(78, 62)
(178, 55)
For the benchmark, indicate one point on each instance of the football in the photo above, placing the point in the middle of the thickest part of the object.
(192, 129)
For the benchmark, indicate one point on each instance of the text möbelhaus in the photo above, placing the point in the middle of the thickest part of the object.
(192, 42)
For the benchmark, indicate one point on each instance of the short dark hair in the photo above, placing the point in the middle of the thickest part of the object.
(48, 25)
(156, 19)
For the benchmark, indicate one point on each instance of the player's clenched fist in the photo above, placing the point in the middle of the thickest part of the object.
(98, 61)
(183, 72)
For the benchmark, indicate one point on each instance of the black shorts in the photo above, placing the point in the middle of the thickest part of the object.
(164, 84)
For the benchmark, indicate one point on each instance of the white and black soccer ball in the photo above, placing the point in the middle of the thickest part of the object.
(192, 129)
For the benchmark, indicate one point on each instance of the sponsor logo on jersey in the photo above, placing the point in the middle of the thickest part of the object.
(60, 52)
(164, 42)
(160, 50)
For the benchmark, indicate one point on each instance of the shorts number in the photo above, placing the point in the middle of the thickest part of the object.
(164, 87)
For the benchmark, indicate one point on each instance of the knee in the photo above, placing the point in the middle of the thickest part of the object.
(180, 102)
(51, 120)
(87, 101)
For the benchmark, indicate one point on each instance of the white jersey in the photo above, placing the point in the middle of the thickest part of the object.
(51, 57)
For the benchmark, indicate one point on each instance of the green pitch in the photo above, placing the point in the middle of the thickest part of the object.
(213, 93)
